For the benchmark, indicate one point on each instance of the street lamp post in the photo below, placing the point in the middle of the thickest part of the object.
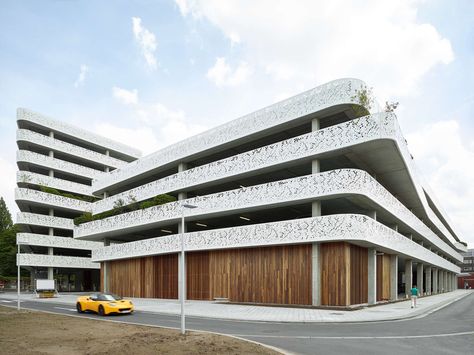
(18, 276)
(183, 274)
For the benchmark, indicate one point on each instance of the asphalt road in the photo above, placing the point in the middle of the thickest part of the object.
(446, 331)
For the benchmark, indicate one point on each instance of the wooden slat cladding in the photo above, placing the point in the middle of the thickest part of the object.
(335, 274)
(102, 276)
(280, 275)
(149, 277)
(383, 277)
(343, 274)
(359, 275)
(197, 276)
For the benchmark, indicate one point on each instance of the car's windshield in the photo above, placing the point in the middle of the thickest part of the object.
(109, 297)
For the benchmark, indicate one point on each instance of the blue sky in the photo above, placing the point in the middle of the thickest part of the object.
(153, 72)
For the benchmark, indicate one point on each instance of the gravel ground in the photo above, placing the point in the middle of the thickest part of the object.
(29, 332)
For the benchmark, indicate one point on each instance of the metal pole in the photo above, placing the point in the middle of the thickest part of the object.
(183, 283)
(18, 277)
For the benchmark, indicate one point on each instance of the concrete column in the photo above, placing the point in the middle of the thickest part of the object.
(450, 281)
(51, 154)
(316, 277)
(181, 196)
(105, 266)
(419, 278)
(393, 277)
(372, 276)
(50, 269)
(443, 281)
(408, 277)
(440, 281)
(107, 169)
(32, 279)
(435, 281)
(316, 212)
(51, 250)
(428, 286)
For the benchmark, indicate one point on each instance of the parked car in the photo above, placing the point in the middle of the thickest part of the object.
(104, 304)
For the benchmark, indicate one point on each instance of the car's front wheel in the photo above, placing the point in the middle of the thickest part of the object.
(101, 311)
(79, 308)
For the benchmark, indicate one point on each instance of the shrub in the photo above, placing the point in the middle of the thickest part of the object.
(120, 207)
(49, 190)
(85, 217)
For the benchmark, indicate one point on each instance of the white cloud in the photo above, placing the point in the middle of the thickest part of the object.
(146, 40)
(142, 138)
(310, 42)
(125, 96)
(222, 74)
(447, 162)
(83, 70)
(159, 127)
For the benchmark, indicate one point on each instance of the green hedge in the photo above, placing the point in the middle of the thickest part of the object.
(52, 191)
(120, 207)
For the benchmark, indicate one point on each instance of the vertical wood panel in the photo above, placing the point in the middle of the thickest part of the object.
(102, 277)
(280, 275)
(153, 277)
(197, 276)
(359, 275)
(335, 274)
(383, 277)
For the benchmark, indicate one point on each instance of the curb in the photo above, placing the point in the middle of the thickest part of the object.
(416, 314)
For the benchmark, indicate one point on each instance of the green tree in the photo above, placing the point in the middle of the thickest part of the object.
(8, 252)
(5, 216)
(7, 242)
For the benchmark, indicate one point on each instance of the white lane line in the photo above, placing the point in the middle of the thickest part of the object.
(357, 337)
(6, 301)
(66, 309)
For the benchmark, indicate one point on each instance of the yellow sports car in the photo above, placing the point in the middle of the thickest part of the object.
(104, 304)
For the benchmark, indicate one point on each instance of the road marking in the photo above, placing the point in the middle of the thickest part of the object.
(6, 301)
(66, 309)
(357, 337)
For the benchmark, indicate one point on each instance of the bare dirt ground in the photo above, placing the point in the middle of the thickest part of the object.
(30, 332)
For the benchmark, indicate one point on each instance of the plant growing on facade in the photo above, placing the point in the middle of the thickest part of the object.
(53, 191)
(25, 178)
(364, 100)
(120, 207)
(390, 106)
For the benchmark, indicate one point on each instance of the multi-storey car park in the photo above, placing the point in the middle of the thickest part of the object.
(311, 201)
(57, 163)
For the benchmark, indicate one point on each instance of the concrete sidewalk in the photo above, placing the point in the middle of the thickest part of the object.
(208, 309)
